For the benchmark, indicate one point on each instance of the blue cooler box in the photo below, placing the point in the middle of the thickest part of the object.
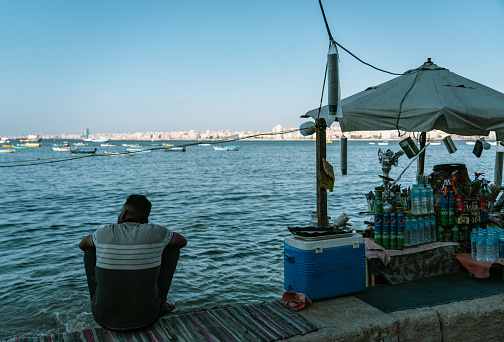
(325, 267)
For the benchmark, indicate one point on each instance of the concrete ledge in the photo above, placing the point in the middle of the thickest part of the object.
(350, 319)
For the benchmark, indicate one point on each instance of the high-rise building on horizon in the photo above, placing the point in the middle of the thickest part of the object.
(85, 133)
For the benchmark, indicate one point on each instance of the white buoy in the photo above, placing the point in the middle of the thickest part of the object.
(333, 87)
(343, 155)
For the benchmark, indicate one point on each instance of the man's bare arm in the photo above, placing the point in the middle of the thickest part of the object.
(86, 243)
(178, 240)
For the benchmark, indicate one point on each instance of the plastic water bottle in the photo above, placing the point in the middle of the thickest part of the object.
(407, 232)
(414, 231)
(481, 246)
(496, 244)
(433, 228)
(501, 244)
(422, 199)
(474, 237)
(415, 200)
(420, 230)
(430, 199)
(490, 247)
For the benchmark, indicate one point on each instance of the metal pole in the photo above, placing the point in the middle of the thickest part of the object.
(499, 161)
(321, 192)
(421, 158)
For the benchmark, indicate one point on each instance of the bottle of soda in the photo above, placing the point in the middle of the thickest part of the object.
(378, 229)
(378, 201)
(386, 231)
(400, 231)
(393, 231)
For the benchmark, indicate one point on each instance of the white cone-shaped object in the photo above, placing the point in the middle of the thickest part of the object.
(333, 85)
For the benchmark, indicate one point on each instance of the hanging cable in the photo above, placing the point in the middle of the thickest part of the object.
(34, 162)
(402, 101)
(341, 46)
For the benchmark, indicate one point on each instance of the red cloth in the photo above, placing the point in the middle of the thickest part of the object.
(295, 301)
(480, 269)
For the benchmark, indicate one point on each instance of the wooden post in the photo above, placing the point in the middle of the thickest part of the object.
(499, 161)
(321, 193)
(421, 158)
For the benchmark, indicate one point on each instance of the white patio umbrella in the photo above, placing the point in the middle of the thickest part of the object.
(420, 100)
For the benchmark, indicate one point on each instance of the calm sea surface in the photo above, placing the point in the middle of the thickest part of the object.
(233, 207)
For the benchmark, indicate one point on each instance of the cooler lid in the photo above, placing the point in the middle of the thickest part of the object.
(323, 242)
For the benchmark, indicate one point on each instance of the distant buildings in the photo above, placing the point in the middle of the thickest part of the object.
(279, 133)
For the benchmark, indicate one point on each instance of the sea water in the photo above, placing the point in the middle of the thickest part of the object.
(233, 207)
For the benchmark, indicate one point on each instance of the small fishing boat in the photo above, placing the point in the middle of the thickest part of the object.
(32, 138)
(372, 143)
(175, 149)
(435, 143)
(79, 144)
(4, 140)
(131, 145)
(61, 148)
(78, 151)
(167, 145)
(119, 154)
(226, 148)
(33, 144)
(203, 144)
(383, 143)
(7, 150)
(328, 141)
(138, 150)
(470, 142)
(108, 145)
(7, 146)
(19, 146)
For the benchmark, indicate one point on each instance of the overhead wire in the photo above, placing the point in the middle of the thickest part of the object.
(39, 161)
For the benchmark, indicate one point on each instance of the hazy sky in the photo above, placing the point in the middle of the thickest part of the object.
(129, 66)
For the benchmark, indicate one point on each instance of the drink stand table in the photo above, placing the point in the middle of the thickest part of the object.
(391, 266)
(479, 269)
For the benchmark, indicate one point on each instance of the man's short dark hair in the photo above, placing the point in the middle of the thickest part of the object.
(139, 205)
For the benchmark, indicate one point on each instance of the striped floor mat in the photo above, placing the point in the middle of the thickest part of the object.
(255, 322)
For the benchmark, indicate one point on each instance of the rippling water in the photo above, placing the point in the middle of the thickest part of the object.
(233, 207)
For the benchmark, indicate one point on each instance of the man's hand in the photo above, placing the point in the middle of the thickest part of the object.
(86, 243)
(177, 240)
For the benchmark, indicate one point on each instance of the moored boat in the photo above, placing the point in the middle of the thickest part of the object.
(226, 148)
(61, 148)
(175, 149)
(33, 144)
(32, 138)
(20, 146)
(138, 150)
(7, 150)
(119, 154)
(7, 146)
(78, 151)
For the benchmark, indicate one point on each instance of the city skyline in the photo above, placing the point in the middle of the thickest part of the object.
(121, 66)
(332, 133)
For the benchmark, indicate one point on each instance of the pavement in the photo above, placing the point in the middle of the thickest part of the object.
(350, 319)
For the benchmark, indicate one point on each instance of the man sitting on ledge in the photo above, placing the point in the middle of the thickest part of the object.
(129, 268)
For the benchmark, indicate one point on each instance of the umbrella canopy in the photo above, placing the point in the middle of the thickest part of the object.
(423, 99)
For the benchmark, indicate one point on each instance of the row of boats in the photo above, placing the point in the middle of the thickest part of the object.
(76, 148)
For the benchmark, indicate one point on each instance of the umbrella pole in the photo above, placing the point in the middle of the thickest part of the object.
(499, 161)
(321, 192)
(421, 158)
